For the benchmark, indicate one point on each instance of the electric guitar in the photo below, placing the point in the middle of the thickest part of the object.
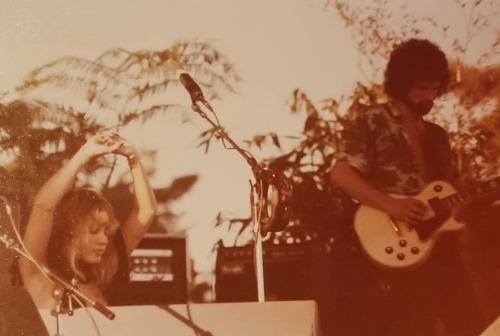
(395, 244)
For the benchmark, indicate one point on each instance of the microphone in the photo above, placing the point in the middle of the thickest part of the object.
(189, 84)
(194, 90)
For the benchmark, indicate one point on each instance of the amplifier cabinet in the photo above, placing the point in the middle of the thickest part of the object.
(158, 271)
(287, 273)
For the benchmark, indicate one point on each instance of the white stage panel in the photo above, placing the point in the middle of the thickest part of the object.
(291, 318)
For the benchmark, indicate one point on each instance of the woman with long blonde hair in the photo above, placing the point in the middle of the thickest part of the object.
(73, 231)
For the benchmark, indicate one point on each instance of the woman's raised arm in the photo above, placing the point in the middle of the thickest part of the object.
(144, 210)
(39, 227)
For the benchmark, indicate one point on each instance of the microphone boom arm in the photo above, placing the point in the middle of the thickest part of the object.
(71, 289)
(278, 220)
(263, 222)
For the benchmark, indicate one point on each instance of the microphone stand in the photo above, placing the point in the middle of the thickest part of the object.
(63, 289)
(263, 178)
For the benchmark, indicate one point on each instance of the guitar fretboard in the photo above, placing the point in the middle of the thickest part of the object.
(478, 191)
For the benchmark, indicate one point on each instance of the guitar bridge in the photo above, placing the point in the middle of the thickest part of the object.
(395, 226)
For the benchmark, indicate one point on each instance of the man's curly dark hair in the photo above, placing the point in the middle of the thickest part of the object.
(415, 60)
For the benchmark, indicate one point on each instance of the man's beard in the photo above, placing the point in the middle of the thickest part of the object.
(420, 108)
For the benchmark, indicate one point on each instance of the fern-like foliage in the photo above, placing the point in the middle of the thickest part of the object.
(128, 85)
(63, 102)
(35, 141)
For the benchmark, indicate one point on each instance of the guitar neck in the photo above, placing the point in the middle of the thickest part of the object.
(480, 190)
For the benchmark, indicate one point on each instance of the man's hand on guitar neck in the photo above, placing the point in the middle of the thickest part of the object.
(467, 211)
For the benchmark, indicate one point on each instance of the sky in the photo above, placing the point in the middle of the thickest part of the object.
(276, 47)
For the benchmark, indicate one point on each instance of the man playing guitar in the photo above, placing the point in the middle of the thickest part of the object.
(390, 149)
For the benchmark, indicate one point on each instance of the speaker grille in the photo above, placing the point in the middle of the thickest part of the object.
(287, 273)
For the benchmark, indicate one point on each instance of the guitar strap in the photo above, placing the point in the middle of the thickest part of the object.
(437, 153)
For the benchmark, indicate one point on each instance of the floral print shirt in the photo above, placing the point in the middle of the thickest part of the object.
(376, 145)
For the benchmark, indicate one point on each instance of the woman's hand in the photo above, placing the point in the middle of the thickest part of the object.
(104, 142)
(126, 149)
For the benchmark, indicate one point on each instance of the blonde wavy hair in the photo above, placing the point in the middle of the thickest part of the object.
(78, 209)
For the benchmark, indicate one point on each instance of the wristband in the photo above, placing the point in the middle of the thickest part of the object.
(132, 160)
